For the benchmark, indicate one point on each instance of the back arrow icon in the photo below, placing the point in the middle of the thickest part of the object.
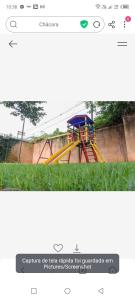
(12, 44)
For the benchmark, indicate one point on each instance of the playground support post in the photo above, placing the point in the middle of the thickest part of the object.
(19, 158)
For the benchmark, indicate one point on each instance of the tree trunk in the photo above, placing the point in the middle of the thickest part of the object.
(19, 158)
(92, 110)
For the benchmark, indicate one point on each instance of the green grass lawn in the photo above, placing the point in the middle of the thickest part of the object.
(73, 177)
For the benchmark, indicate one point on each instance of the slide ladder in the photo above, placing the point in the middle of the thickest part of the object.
(91, 154)
(84, 146)
(57, 156)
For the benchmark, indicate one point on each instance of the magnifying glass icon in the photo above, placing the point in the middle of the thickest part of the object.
(13, 24)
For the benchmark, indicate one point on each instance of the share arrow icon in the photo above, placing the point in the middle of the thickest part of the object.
(101, 291)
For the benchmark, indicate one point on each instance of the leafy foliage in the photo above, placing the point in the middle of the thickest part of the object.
(6, 143)
(45, 135)
(112, 112)
(56, 132)
(32, 110)
(91, 106)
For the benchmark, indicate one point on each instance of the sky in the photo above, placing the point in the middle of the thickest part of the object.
(57, 115)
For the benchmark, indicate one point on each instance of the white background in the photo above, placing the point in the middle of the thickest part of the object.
(99, 222)
(62, 68)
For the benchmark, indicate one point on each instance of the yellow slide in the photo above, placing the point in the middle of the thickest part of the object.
(98, 153)
(60, 153)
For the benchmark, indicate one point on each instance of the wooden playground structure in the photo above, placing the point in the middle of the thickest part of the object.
(80, 133)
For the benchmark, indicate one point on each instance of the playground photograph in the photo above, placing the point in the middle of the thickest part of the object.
(77, 146)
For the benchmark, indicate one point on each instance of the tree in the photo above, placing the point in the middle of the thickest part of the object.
(112, 112)
(6, 143)
(45, 135)
(91, 106)
(56, 132)
(31, 110)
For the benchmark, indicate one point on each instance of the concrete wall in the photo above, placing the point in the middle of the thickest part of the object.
(129, 129)
(117, 143)
(26, 153)
(111, 142)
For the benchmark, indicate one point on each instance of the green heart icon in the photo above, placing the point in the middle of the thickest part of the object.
(84, 23)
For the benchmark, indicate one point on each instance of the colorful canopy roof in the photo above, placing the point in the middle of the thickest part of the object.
(80, 120)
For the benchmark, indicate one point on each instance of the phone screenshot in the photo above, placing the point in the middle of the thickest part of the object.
(67, 149)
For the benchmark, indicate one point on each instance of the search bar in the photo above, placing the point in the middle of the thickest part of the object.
(55, 24)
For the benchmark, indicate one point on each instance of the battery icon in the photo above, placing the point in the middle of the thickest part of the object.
(125, 6)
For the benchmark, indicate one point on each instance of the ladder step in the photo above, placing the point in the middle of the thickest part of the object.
(63, 160)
